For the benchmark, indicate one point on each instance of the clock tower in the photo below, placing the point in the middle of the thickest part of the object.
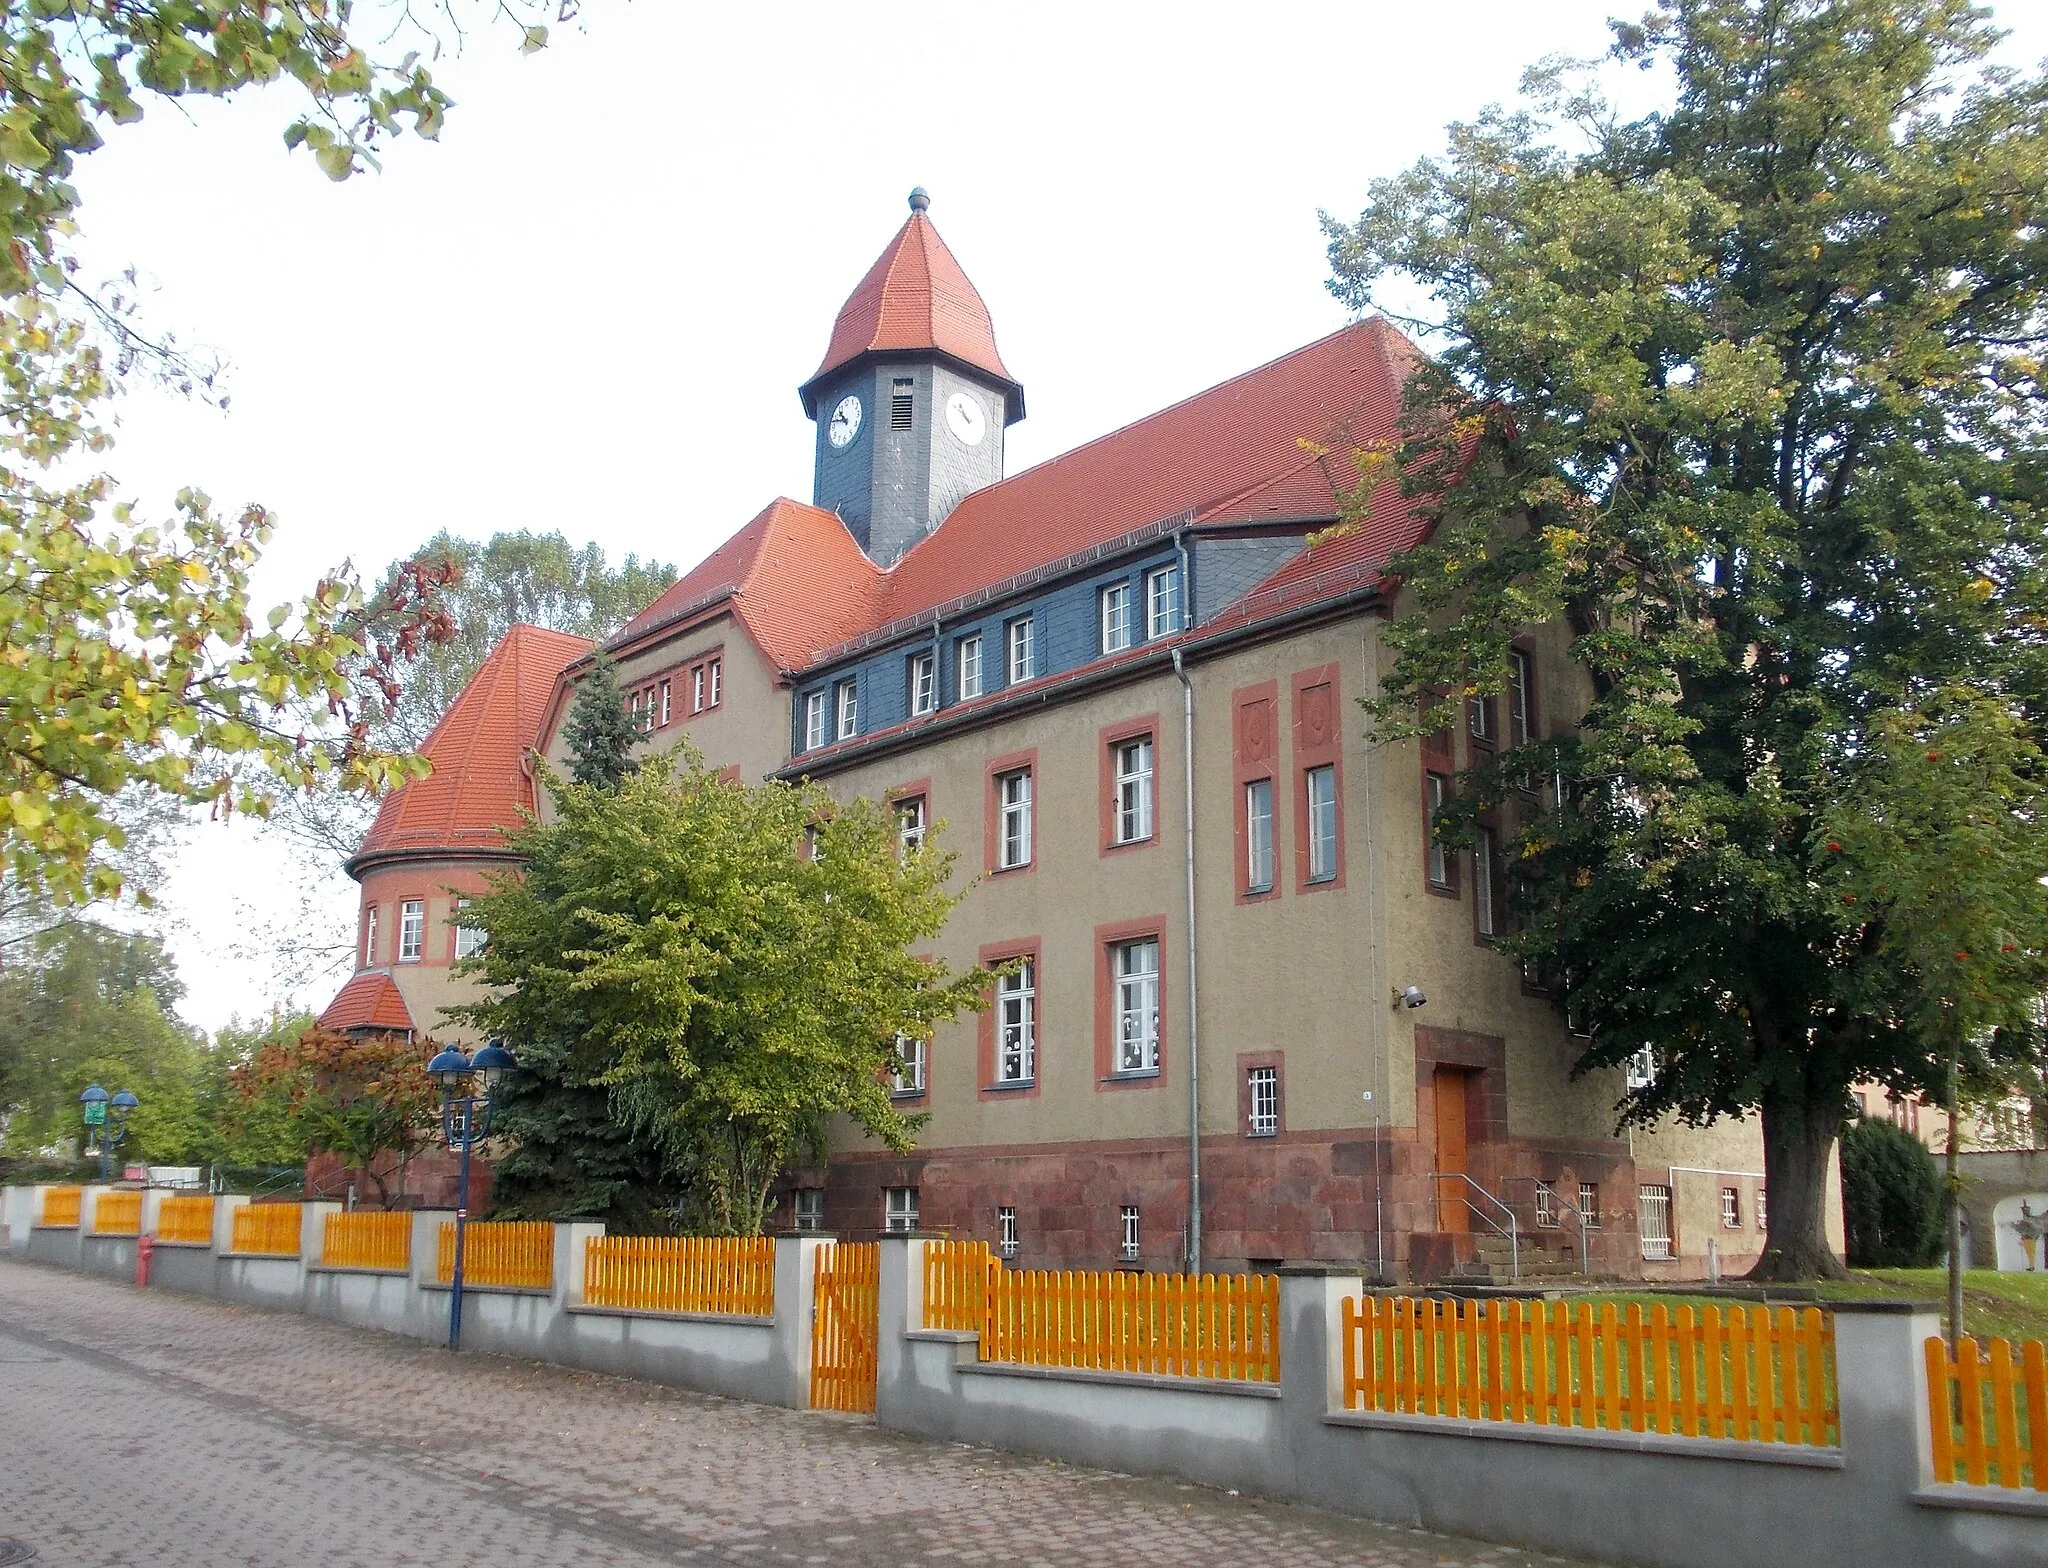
(912, 399)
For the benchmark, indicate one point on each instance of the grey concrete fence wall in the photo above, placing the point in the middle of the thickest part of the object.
(1620, 1497)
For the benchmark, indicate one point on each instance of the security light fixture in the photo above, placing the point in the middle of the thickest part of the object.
(1410, 996)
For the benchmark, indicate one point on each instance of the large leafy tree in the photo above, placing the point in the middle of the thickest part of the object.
(1746, 394)
(732, 990)
(134, 658)
(367, 1100)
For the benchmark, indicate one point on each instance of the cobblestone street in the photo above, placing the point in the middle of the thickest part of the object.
(163, 1431)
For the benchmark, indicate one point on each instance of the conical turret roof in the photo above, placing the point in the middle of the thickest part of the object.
(915, 299)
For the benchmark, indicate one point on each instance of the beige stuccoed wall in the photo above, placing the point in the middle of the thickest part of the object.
(428, 984)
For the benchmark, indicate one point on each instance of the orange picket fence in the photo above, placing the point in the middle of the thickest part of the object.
(188, 1219)
(730, 1276)
(845, 1325)
(117, 1214)
(366, 1240)
(61, 1205)
(1751, 1373)
(518, 1254)
(1988, 1413)
(959, 1283)
(1174, 1325)
(268, 1228)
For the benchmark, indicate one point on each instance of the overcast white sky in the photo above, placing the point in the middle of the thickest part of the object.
(589, 305)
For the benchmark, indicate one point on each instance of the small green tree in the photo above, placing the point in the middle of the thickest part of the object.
(601, 732)
(734, 991)
(1891, 1197)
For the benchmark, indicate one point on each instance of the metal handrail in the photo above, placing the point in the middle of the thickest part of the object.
(1578, 1214)
(1513, 1231)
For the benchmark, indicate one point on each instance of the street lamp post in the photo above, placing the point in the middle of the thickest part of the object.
(465, 1122)
(106, 1116)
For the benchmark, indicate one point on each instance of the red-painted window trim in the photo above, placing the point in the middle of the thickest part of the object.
(988, 1022)
(1107, 739)
(921, 789)
(992, 810)
(1250, 762)
(1313, 754)
(1107, 937)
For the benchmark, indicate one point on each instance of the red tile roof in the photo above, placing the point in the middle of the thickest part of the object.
(479, 783)
(796, 578)
(914, 299)
(369, 1001)
(1242, 452)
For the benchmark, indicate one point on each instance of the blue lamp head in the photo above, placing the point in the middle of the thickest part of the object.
(94, 1095)
(448, 1068)
(125, 1101)
(493, 1061)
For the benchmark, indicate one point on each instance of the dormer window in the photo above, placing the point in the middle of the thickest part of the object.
(1116, 618)
(848, 704)
(970, 667)
(814, 720)
(899, 403)
(1162, 602)
(924, 683)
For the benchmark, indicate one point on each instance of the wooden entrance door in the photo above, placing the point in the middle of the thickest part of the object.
(1450, 1085)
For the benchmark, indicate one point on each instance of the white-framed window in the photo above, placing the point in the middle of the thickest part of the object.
(899, 1210)
(848, 705)
(1589, 1204)
(711, 671)
(1022, 646)
(924, 683)
(1439, 856)
(1116, 617)
(412, 930)
(1135, 966)
(1134, 789)
(1013, 843)
(1731, 1208)
(1653, 1209)
(1017, 1024)
(1006, 1231)
(1162, 601)
(1321, 784)
(698, 679)
(1546, 1205)
(1264, 1086)
(1762, 1210)
(807, 1208)
(1521, 683)
(1127, 1223)
(469, 940)
(1641, 1069)
(910, 824)
(907, 1074)
(369, 936)
(664, 701)
(1485, 847)
(1258, 836)
(967, 661)
(1479, 717)
(814, 720)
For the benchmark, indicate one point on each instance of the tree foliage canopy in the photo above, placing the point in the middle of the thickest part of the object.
(1747, 395)
(359, 1098)
(730, 990)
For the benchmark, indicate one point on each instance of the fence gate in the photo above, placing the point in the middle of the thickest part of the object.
(846, 1326)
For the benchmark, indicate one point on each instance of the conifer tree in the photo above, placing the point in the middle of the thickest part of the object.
(601, 731)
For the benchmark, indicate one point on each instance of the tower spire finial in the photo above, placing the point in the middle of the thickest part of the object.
(919, 200)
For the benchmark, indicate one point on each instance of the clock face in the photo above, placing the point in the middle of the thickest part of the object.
(845, 422)
(965, 419)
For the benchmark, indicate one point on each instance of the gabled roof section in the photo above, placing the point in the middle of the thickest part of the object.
(797, 581)
(915, 299)
(369, 1001)
(1234, 453)
(479, 783)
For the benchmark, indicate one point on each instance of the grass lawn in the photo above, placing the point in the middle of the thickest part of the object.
(2002, 1306)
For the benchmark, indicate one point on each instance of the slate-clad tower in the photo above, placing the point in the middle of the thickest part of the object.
(912, 399)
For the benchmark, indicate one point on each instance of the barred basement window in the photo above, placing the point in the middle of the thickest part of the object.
(1653, 1204)
(1006, 1231)
(1264, 1083)
(899, 1210)
(1589, 1205)
(899, 403)
(1129, 1224)
(808, 1208)
(1731, 1208)
(1546, 1206)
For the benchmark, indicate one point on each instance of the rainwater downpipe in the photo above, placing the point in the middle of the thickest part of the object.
(1187, 773)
